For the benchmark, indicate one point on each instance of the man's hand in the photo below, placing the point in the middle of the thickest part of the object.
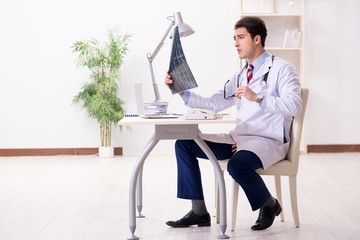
(168, 81)
(245, 91)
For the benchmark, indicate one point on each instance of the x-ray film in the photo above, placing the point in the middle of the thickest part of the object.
(179, 69)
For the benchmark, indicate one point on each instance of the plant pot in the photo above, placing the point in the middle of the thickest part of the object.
(105, 152)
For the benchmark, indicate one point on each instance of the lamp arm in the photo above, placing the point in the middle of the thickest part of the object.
(152, 56)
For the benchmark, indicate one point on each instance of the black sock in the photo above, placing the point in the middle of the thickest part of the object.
(199, 207)
(270, 202)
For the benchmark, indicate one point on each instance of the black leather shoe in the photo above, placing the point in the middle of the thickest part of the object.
(267, 216)
(191, 219)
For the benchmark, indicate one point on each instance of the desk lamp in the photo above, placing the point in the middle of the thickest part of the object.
(184, 30)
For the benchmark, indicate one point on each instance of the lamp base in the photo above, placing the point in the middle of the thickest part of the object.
(156, 107)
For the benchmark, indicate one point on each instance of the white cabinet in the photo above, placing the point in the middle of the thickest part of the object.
(281, 16)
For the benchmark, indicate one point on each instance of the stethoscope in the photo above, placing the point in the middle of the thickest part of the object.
(264, 80)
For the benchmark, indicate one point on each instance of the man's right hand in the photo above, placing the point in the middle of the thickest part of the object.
(168, 81)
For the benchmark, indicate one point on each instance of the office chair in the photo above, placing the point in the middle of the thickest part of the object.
(287, 167)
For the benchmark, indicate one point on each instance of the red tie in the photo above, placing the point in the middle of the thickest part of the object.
(233, 148)
(250, 72)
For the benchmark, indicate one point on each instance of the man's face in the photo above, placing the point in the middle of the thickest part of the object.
(244, 44)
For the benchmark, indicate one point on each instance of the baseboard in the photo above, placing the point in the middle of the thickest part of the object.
(333, 148)
(53, 151)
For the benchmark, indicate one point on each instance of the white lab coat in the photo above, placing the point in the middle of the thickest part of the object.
(260, 130)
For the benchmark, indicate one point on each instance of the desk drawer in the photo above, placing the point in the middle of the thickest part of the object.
(188, 131)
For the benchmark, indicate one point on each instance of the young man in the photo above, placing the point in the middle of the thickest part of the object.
(267, 94)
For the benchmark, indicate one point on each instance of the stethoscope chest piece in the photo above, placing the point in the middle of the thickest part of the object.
(262, 84)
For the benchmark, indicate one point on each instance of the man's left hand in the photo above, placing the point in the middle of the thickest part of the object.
(245, 91)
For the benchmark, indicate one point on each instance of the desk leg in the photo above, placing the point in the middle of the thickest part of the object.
(220, 179)
(133, 182)
(139, 194)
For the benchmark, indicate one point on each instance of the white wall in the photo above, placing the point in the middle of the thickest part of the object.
(332, 61)
(39, 78)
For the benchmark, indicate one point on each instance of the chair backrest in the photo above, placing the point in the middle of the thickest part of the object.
(295, 133)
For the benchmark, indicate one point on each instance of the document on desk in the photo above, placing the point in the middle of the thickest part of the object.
(179, 70)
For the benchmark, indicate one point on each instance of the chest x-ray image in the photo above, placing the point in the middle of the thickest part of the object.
(179, 69)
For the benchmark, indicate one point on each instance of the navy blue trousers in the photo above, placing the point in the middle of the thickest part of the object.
(241, 167)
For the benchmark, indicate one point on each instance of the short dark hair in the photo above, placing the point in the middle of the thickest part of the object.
(255, 26)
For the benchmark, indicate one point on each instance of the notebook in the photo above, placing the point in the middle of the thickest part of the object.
(141, 109)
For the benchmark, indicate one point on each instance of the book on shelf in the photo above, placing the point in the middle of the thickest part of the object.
(292, 38)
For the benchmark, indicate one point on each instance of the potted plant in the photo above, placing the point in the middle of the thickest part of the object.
(99, 96)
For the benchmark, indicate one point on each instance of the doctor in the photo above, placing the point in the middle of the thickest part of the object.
(267, 94)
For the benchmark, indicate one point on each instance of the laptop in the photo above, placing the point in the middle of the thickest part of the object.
(141, 107)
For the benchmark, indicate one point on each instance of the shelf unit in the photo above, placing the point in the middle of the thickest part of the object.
(280, 15)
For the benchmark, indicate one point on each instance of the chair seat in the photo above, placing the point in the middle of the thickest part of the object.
(281, 168)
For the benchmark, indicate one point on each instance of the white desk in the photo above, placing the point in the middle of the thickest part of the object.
(174, 128)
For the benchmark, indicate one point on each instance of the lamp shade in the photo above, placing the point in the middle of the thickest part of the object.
(184, 29)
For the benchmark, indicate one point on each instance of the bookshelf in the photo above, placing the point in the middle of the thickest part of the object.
(281, 16)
